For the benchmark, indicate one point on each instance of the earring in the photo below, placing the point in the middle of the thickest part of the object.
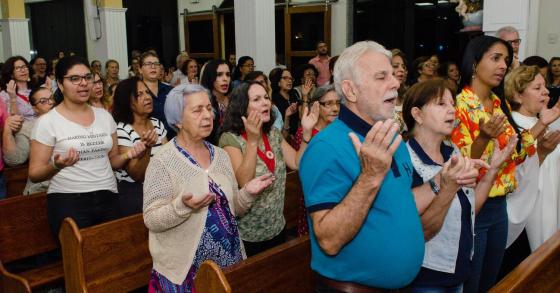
(473, 72)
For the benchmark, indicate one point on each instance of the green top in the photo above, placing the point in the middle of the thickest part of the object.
(265, 219)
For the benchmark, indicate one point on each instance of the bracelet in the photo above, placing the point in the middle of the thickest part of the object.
(435, 188)
(125, 156)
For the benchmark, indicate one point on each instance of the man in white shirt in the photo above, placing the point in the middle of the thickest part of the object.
(177, 74)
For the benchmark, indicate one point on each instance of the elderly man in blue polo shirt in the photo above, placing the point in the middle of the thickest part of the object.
(366, 234)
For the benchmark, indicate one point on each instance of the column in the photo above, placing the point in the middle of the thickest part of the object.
(255, 33)
(106, 33)
(15, 29)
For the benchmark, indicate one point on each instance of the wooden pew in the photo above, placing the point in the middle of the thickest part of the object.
(110, 257)
(294, 194)
(25, 232)
(285, 268)
(540, 272)
(16, 179)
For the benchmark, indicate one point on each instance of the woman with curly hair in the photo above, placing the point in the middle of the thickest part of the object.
(256, 148)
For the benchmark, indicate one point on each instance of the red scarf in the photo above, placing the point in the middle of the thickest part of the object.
(267, 156)
(24, 98)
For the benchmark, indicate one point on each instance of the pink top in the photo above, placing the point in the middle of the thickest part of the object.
(3, 116)
(322, 66)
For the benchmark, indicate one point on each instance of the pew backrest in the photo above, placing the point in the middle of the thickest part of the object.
(292, 200)
(16, 179)
(285, 268)
(110, 257)
(25, 232)
(24, 227)
(539, 272)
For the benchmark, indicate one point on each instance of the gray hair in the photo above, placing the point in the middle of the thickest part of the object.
(320, 92)
(345, 67)
(182, 55)
(506, 29)
(176, 100)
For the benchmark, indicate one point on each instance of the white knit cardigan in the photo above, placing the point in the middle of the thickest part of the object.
(174, 229)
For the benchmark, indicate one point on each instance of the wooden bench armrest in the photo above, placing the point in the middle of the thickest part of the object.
(12, 283)
(210, 278)
(71, 242)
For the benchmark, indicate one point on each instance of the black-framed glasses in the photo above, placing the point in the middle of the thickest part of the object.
(151, 64)
(514, 42)
(330, 104)
(98, 82)
(44, 101)
(77, 79)
(287, 78)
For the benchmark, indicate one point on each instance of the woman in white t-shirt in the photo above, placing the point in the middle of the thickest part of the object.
(132, 111)
(75, 146)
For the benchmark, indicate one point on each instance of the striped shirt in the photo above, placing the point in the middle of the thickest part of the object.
(127, 137)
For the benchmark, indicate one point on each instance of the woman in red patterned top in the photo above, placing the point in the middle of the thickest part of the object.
(330, 106)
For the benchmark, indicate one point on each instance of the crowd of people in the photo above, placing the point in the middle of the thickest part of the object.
(414, 177)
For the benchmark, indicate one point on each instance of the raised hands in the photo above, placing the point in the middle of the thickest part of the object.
(136, 151)
(547, 143)
(306, 87)
(460, 171)
(291, 110)
(149, 138)
(48, 83)
(547, 116)
(310, 118)
(493, 127)
(377, 149)
(69, 159)
(499, 156)
(253, 125)
(13, 123)
(257, 185)
(197, 203)
(11, 89)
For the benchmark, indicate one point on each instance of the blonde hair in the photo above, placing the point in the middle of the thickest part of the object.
(517, 81)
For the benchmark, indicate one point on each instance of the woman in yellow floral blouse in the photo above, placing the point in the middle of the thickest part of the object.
(483, 118)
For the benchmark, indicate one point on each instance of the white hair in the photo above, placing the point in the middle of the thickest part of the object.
(175, 102)
(346, 67)
(506, 29)
(182, 55)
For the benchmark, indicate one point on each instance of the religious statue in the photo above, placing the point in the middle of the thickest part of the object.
(471, 12)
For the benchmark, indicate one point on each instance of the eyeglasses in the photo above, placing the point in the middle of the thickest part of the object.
(249, 65)
(151, 64)
(77, 79)
(330, 104)
(44, 101)
(21, 68)
(41, 64)
(287, 78)
(514, 42)
(98, 82)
